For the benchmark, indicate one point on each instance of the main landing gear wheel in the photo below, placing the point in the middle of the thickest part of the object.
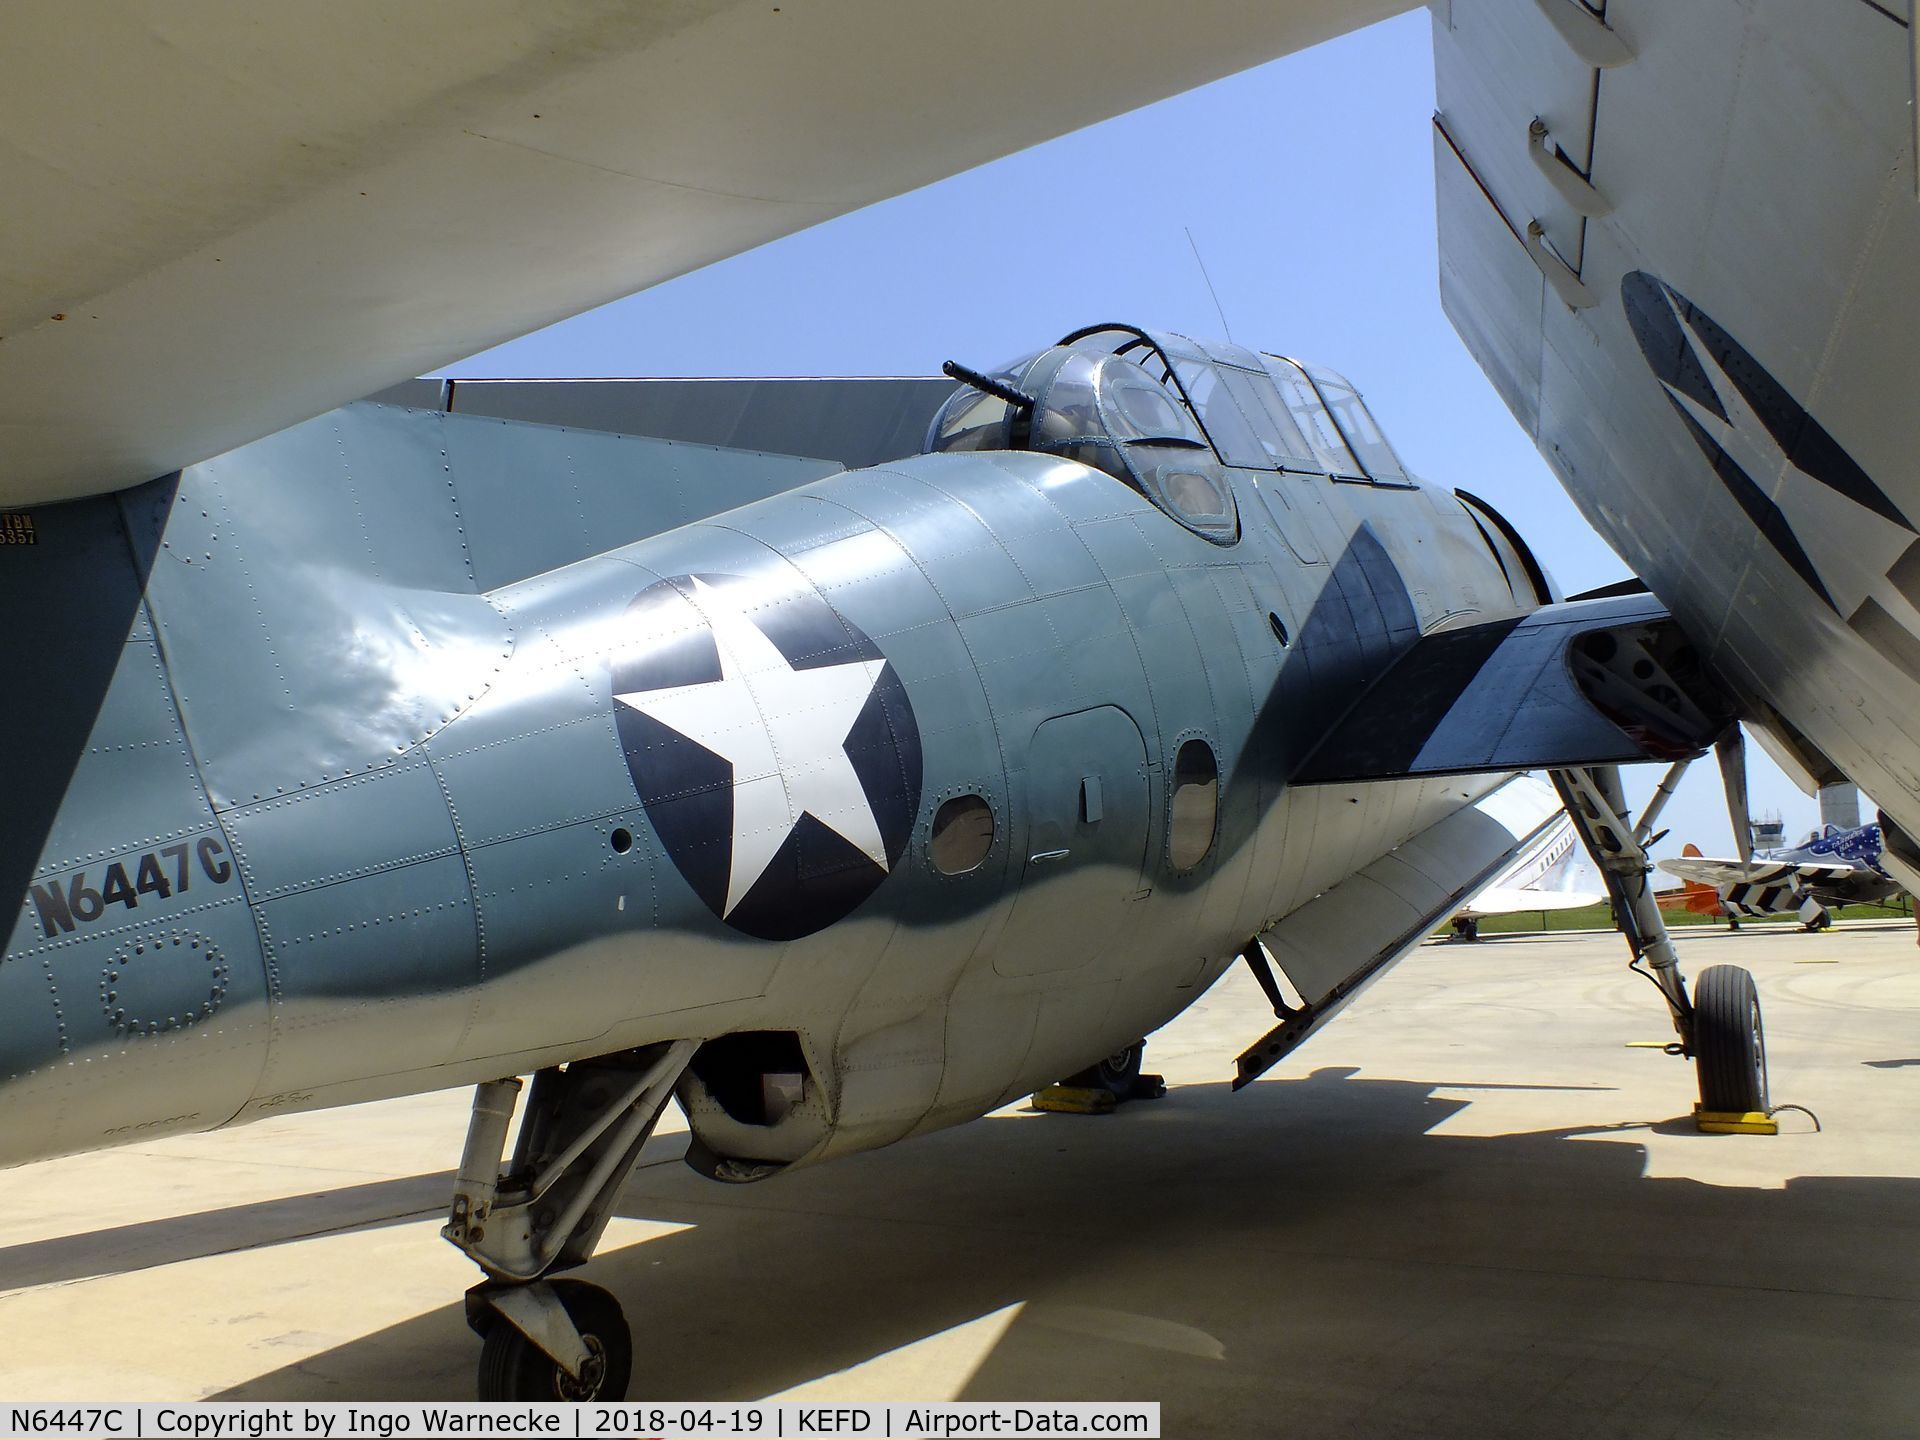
(1120, 1071)
(512, 1367)
(1729, 1047)
(585, 1126)
(1097, 1089)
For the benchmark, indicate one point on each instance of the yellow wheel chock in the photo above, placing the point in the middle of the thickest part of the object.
(1735, 1122)
(1075, 1100)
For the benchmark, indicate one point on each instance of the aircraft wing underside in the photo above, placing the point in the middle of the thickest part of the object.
(227, 219)
(1680, 239)
(1582, 682)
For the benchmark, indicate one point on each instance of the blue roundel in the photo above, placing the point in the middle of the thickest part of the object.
(772, 745)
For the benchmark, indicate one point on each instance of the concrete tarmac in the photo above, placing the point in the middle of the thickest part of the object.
(1468, 1207)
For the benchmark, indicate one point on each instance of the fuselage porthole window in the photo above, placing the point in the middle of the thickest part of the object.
(962, 835)
(1200, 499)
(1195, 494)
(1195, 804)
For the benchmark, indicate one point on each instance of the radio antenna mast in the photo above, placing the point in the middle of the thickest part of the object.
(1219, 309)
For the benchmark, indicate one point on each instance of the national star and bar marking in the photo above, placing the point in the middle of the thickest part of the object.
(1837, 545)
(784, 732)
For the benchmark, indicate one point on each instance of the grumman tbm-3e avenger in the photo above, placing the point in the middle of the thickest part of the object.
(409, 749)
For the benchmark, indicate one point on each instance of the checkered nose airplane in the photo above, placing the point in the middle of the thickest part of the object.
(1830, 867)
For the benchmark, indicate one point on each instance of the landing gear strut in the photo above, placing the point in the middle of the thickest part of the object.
(1720, 1028)
(585, 1125)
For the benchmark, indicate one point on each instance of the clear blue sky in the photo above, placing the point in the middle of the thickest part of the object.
(1308, 187)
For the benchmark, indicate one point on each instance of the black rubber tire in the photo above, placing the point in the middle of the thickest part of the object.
(1729, 1045)
(1120, 1071)
(512, 1367)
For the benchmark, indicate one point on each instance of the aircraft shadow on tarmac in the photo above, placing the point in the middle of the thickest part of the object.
(1304, 1254)
(149, 1243)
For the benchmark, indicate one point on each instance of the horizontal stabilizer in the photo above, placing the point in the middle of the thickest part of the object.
(854, 421)
(1583, 682)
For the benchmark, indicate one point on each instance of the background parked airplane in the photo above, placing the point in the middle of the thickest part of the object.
(1829, 868)
(1551, 874)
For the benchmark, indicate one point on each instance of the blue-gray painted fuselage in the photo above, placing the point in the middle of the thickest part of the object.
(964, 770)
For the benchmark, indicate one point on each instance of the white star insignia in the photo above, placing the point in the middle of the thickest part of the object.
(783, 730)
(1851, 558)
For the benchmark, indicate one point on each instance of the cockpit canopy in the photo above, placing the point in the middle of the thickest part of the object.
(1164, 414)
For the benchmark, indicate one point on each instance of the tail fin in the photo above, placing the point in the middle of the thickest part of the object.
(1700, 899)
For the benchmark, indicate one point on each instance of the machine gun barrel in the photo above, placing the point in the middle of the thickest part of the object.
(999, 389)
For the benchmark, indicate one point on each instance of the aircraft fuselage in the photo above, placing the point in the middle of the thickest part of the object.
(952, 776)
